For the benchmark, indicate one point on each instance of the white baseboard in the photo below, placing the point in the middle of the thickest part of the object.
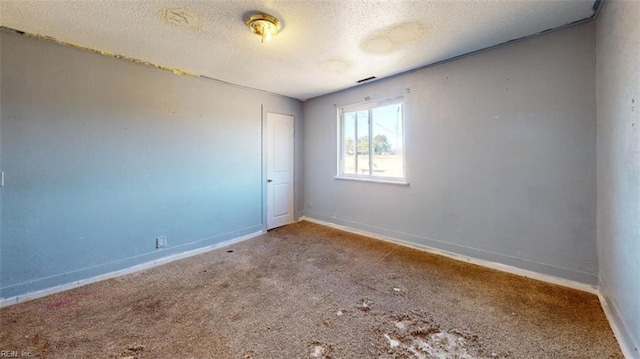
(481, 262)
(136, 268)
(618, 332)
(626, 350)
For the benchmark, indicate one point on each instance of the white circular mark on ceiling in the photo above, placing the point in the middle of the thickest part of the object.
(181, 17)
(334, 65)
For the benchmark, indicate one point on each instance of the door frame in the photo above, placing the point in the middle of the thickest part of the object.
(288, 112)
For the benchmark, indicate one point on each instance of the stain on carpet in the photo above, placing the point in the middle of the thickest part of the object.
(308, 291)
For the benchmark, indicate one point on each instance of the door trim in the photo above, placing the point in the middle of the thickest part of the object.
(287, 112)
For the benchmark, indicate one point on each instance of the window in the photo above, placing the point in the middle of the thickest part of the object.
(371, 143)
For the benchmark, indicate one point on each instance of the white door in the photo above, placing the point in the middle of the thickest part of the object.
(279, 158)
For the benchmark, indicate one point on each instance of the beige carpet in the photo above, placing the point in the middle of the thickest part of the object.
(309, 291)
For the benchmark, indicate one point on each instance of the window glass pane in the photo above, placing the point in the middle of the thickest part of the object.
(387, 141)
(348, 144)
(362, 162)
(371, 143)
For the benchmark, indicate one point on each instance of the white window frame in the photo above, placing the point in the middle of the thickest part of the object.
(340, 160)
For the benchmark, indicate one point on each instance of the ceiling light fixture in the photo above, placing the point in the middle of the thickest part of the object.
(263, 25)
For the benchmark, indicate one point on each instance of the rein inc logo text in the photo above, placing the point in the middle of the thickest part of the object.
(14, 354)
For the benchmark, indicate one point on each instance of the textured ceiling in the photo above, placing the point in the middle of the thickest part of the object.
(324, 46)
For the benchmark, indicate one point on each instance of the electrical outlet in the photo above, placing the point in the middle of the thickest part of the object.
(161, 241)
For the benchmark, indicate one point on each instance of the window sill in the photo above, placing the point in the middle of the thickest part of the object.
(397, 183)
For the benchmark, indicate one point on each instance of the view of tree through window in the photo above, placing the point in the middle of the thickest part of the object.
(372, 142)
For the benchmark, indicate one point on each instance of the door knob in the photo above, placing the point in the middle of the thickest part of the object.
(269, 180)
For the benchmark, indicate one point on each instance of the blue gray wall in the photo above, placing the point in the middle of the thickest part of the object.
(500, 153)
(618, 84)
(102, 155)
